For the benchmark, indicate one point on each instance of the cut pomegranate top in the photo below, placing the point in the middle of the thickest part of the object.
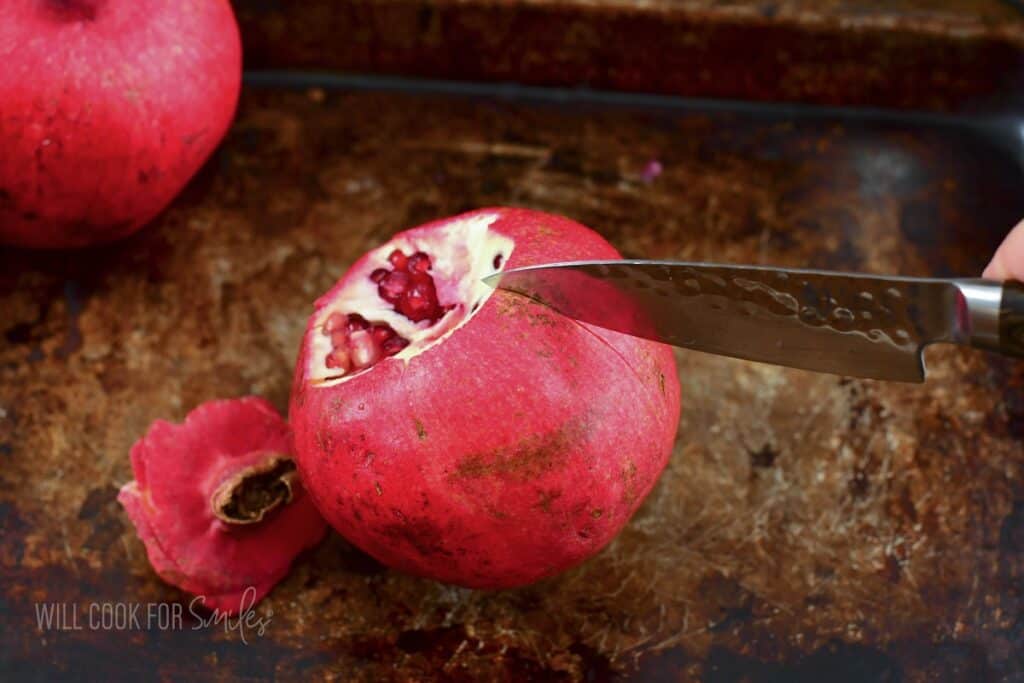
(404, 297)
(218, 503)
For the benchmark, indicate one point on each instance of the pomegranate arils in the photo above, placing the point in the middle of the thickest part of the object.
(419, 262)
(357, 322)
(420, 302)
(393, 286)
(358, 343)
(365, 351)
(497, 261)
(338, 327)
(382, 333)
(393, 345)
(334, 322)
(397, 260)
(338, 359)
(409, 288)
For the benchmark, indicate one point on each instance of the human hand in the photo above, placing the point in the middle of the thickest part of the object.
(1008, 261)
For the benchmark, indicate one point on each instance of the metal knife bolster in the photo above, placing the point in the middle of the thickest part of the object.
(978, 308)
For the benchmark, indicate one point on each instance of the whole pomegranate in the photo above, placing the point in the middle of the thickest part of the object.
(107, 108)
(472, 435)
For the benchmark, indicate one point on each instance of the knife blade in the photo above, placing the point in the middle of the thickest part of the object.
(843, 323)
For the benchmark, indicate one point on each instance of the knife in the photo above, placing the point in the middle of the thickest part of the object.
(842, 323)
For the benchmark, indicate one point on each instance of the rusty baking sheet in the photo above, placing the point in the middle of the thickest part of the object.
(919, 54)
(806, 523)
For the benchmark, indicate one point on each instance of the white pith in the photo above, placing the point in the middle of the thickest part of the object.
(461, 242)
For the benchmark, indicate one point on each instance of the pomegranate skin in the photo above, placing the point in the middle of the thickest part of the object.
(179, 503)
(514, 448)
(107, 109)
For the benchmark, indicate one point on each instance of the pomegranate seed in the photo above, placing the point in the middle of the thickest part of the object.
(334, 322)
(419, 303)
(356, 322)
(393, 345)
(393, 286)
(365, 351)
(397, 260)
(338, 359)
(419, 262)
(421, 279)
(379, 275)
(382, 333)
(339, 338)
(422, 290)
(497, 262)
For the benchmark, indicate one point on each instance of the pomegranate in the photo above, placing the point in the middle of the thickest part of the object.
(473, 435)
(107, 108)
(217, 502)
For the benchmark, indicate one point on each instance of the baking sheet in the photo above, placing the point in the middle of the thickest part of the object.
(806, 523)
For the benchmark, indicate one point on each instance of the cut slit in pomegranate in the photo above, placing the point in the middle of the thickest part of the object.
(408, 296)
(356, 343)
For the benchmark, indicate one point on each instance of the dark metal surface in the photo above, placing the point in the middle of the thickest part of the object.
(806, 525)
(921, 54)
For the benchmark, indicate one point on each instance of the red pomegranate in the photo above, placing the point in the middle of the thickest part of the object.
(107, 108)
(471, 435)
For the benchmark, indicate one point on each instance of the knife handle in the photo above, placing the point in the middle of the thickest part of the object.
(1011, 319)
(992, 315)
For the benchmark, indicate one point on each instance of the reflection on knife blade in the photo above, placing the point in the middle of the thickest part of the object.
(860, 325)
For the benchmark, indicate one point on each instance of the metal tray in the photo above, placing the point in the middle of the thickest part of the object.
(920, 54)
(807, 525)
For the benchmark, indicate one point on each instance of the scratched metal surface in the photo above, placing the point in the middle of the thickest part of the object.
(806, 523)
(919, 54)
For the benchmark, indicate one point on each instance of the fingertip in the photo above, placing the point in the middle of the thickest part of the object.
(1008, 261)
(994, 270)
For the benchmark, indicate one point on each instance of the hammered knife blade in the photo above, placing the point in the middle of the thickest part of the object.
(843, 323)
